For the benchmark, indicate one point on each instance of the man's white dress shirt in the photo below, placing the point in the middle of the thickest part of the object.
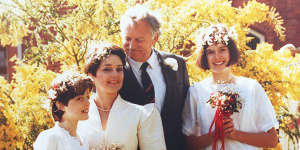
(155, 73)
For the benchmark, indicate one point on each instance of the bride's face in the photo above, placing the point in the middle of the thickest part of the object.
(109, 75)
(218, 57)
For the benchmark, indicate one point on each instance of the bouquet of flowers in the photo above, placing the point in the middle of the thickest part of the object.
(111, 147)
(227, 102)
(107, 147)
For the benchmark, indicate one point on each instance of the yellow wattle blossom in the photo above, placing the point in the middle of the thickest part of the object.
(59, 31)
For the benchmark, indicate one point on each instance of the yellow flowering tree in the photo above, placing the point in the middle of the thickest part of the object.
(24, 106)
(8, 130)
(61, 30)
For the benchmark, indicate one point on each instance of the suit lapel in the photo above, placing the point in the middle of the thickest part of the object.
(170, 79)
(131, 77)
(132, 87)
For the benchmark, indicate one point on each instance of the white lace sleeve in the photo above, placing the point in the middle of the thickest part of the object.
(45, 141)
(150, 130)
(189, 115)
(265, 114)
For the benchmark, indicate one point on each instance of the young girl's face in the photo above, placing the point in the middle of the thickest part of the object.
(78, 107)
(218, 57)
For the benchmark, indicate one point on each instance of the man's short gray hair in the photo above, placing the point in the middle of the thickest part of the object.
(138, 13)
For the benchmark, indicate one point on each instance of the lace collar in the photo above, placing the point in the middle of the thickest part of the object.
(225, 87)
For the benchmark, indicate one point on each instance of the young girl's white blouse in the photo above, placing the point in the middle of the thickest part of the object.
(57, 138)
(257, 113)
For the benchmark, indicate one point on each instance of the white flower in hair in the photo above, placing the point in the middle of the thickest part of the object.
(96, 49)
(171, 62)
(52, 94)
(218, 33)
(60, 82)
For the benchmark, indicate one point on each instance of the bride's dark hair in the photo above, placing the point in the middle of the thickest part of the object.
(98, 53)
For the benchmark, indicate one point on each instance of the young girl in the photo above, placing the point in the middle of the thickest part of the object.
(253, 126)
(69, 95)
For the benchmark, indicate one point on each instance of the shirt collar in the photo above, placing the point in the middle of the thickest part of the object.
(136, 65)
(152, 61)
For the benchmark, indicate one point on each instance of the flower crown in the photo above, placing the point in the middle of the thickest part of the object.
(97, 50)
(213, 34)
(62, 81)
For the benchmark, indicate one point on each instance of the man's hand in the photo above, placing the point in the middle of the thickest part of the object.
(291, 48)
(295, 51)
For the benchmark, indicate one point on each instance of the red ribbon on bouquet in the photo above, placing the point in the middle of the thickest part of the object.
(226, 103)
(218, 122)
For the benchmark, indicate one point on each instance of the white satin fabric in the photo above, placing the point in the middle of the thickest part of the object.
(128, 126)
(57, 138)
(257, 113)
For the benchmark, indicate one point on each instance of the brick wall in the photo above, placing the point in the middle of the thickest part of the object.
(290, 13)
(11, 51)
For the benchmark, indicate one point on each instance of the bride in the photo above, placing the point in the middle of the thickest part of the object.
(115, 124)
(253, 126)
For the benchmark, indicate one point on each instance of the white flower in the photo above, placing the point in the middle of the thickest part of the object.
(171, 62)
(52, 94)
(218, 33)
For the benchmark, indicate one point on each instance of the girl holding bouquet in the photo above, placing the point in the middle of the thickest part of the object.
(226, 111)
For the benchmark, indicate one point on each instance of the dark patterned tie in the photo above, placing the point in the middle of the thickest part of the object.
(147, 84)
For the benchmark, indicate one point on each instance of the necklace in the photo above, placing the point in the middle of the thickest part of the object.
(225, 81)
(102, 109)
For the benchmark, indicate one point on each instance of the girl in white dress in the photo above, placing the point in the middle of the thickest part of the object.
(253, 127)
(69, 95)
(115, 124)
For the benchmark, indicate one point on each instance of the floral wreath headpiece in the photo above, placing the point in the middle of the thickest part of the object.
(62, 81)
(97, 51)
(213, 34)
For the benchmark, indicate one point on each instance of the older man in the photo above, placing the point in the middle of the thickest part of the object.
(153, 76)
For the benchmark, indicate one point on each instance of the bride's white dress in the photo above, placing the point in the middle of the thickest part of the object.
(257, 113)
(128, 126)
(57, 138)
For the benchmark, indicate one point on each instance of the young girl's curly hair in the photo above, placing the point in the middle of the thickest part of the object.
(65, 87)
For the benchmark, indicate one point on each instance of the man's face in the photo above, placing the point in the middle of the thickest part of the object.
(137, 41)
